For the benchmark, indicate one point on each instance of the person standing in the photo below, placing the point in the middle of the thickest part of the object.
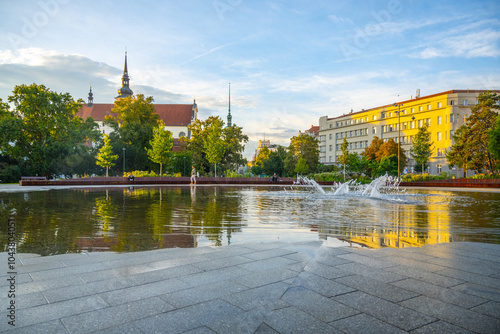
(193, 175)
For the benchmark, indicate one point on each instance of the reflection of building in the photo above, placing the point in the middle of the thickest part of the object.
(404, 228)
(176, 117)
(443, 113)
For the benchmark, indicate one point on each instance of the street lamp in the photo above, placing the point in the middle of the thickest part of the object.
(124, 149)
(399, 135)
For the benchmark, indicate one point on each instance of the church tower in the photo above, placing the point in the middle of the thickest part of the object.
(125, 91)
(229, 117)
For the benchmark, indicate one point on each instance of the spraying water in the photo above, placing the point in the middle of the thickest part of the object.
(378, 188)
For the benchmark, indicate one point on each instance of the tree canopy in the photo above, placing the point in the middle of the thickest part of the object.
(134, 130)
(213, 142)
(161, 145)
(232, 141)
(42, 130)
(106, 158)
(421, 150)
(470, 148)
(304, 146)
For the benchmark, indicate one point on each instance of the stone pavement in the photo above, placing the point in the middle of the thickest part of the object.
(259, 288)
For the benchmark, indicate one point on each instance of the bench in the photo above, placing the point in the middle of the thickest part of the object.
(33, 178)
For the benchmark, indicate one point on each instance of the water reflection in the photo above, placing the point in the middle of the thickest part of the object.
(136, 219)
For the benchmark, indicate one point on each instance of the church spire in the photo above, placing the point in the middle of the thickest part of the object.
(125, 91)
(229, 117)
(90, 102)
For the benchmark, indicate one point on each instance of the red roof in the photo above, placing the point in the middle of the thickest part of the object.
(170, 114)
(314, 130)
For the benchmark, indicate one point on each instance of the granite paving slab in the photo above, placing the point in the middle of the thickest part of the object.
(259, 288)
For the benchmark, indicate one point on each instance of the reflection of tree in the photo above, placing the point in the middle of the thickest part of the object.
(214, 212)
(46, 222)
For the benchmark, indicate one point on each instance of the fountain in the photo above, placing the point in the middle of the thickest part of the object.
(378, 188)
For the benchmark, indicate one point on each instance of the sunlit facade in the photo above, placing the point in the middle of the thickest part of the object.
(443, 113)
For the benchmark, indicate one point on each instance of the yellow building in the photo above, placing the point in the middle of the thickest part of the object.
(443, 113)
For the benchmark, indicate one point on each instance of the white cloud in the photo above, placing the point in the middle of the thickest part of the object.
(475, 44)
(336, 19)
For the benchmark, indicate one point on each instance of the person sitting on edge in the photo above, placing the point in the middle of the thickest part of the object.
(275, 178)
(131, 177)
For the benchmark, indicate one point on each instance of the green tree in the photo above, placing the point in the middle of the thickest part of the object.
(195, 144)
(302, 145)
(371, 155)
(494, 142)
(470, 148)
(421, 150)
(388, 165)
(106, 157)
(136, 120)
(235, 141)
(301, 167)
(161, 145)
(390, 148)
(344, 157)
(42, 130)
(276, 162)
(213, 143)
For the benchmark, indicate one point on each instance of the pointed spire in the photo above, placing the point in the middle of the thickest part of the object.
(229, 117)
(125, 91)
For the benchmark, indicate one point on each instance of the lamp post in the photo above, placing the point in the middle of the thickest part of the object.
(399, 135)
(184, 166)
(124, 149)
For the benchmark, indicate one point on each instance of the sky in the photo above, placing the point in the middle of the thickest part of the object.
(288, 62)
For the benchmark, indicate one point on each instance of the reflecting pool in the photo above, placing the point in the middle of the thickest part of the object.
(142, 218)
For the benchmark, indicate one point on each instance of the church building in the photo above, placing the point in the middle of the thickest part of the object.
(176, 117)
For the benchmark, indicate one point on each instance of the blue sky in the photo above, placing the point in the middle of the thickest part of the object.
(289, 62)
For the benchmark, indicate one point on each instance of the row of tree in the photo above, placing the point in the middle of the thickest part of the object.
(42, 136)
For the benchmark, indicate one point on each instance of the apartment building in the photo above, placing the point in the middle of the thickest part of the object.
(443, 113)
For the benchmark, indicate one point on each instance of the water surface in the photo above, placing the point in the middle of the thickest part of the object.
(142, 218)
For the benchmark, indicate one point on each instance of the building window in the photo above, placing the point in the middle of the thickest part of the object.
(374, 117)
(439, 168)
(330, 148)
(440, 104)
(412, 110)
(465, 102)
(451, 134)
(440, 120)
(452, 103)
(420, 123)
(465, 118)
(182, 134)
(428, 121)
(439, 136)
(330, 159)
(330, 136)
(330, 125)
(452, 118)
(374, 130)
(428, 107)
(420, 109)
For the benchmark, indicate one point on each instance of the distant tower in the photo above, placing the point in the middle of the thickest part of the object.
(229, 117)
(90, 102)
(125, 91)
